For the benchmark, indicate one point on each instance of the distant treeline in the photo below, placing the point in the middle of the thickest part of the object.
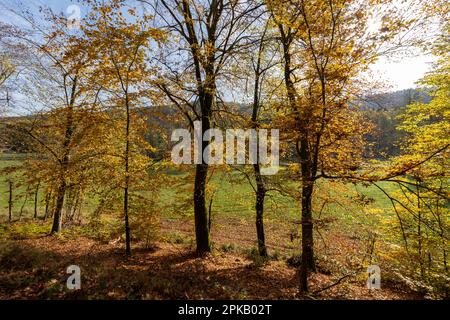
(382, 109)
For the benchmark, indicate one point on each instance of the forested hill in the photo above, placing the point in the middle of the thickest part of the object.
(382, 109)
(394, 100)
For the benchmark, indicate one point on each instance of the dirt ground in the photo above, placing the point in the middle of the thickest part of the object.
(36, 269)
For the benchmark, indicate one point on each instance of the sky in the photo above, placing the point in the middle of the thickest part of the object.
(402, 74)
(394, 74)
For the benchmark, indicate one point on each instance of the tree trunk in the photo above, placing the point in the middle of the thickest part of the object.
(47, 204)
(307, 238)
(307, 259)
(57, 213)
(200, 212)
(10, 201)
(306, 161)
(206, 88)
(259, 207)
(127, 179)
(260, 187)
(442, 234)
(76, 205)
(61, 191)
(201, 174)
(419, 232)
(36, 193)
(127, 223)
(307, 262)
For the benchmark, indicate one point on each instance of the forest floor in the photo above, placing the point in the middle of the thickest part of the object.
(35, 268)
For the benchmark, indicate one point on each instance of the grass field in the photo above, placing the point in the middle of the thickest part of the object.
(233, 203)
(343, 230)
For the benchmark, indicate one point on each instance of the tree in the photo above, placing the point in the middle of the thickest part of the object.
(118, 47)
(60, 101)
(6, 71)
(260, 192)
(422, 204)
(7, 65)
(262, 58)
(325, 47)
(208, 35)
